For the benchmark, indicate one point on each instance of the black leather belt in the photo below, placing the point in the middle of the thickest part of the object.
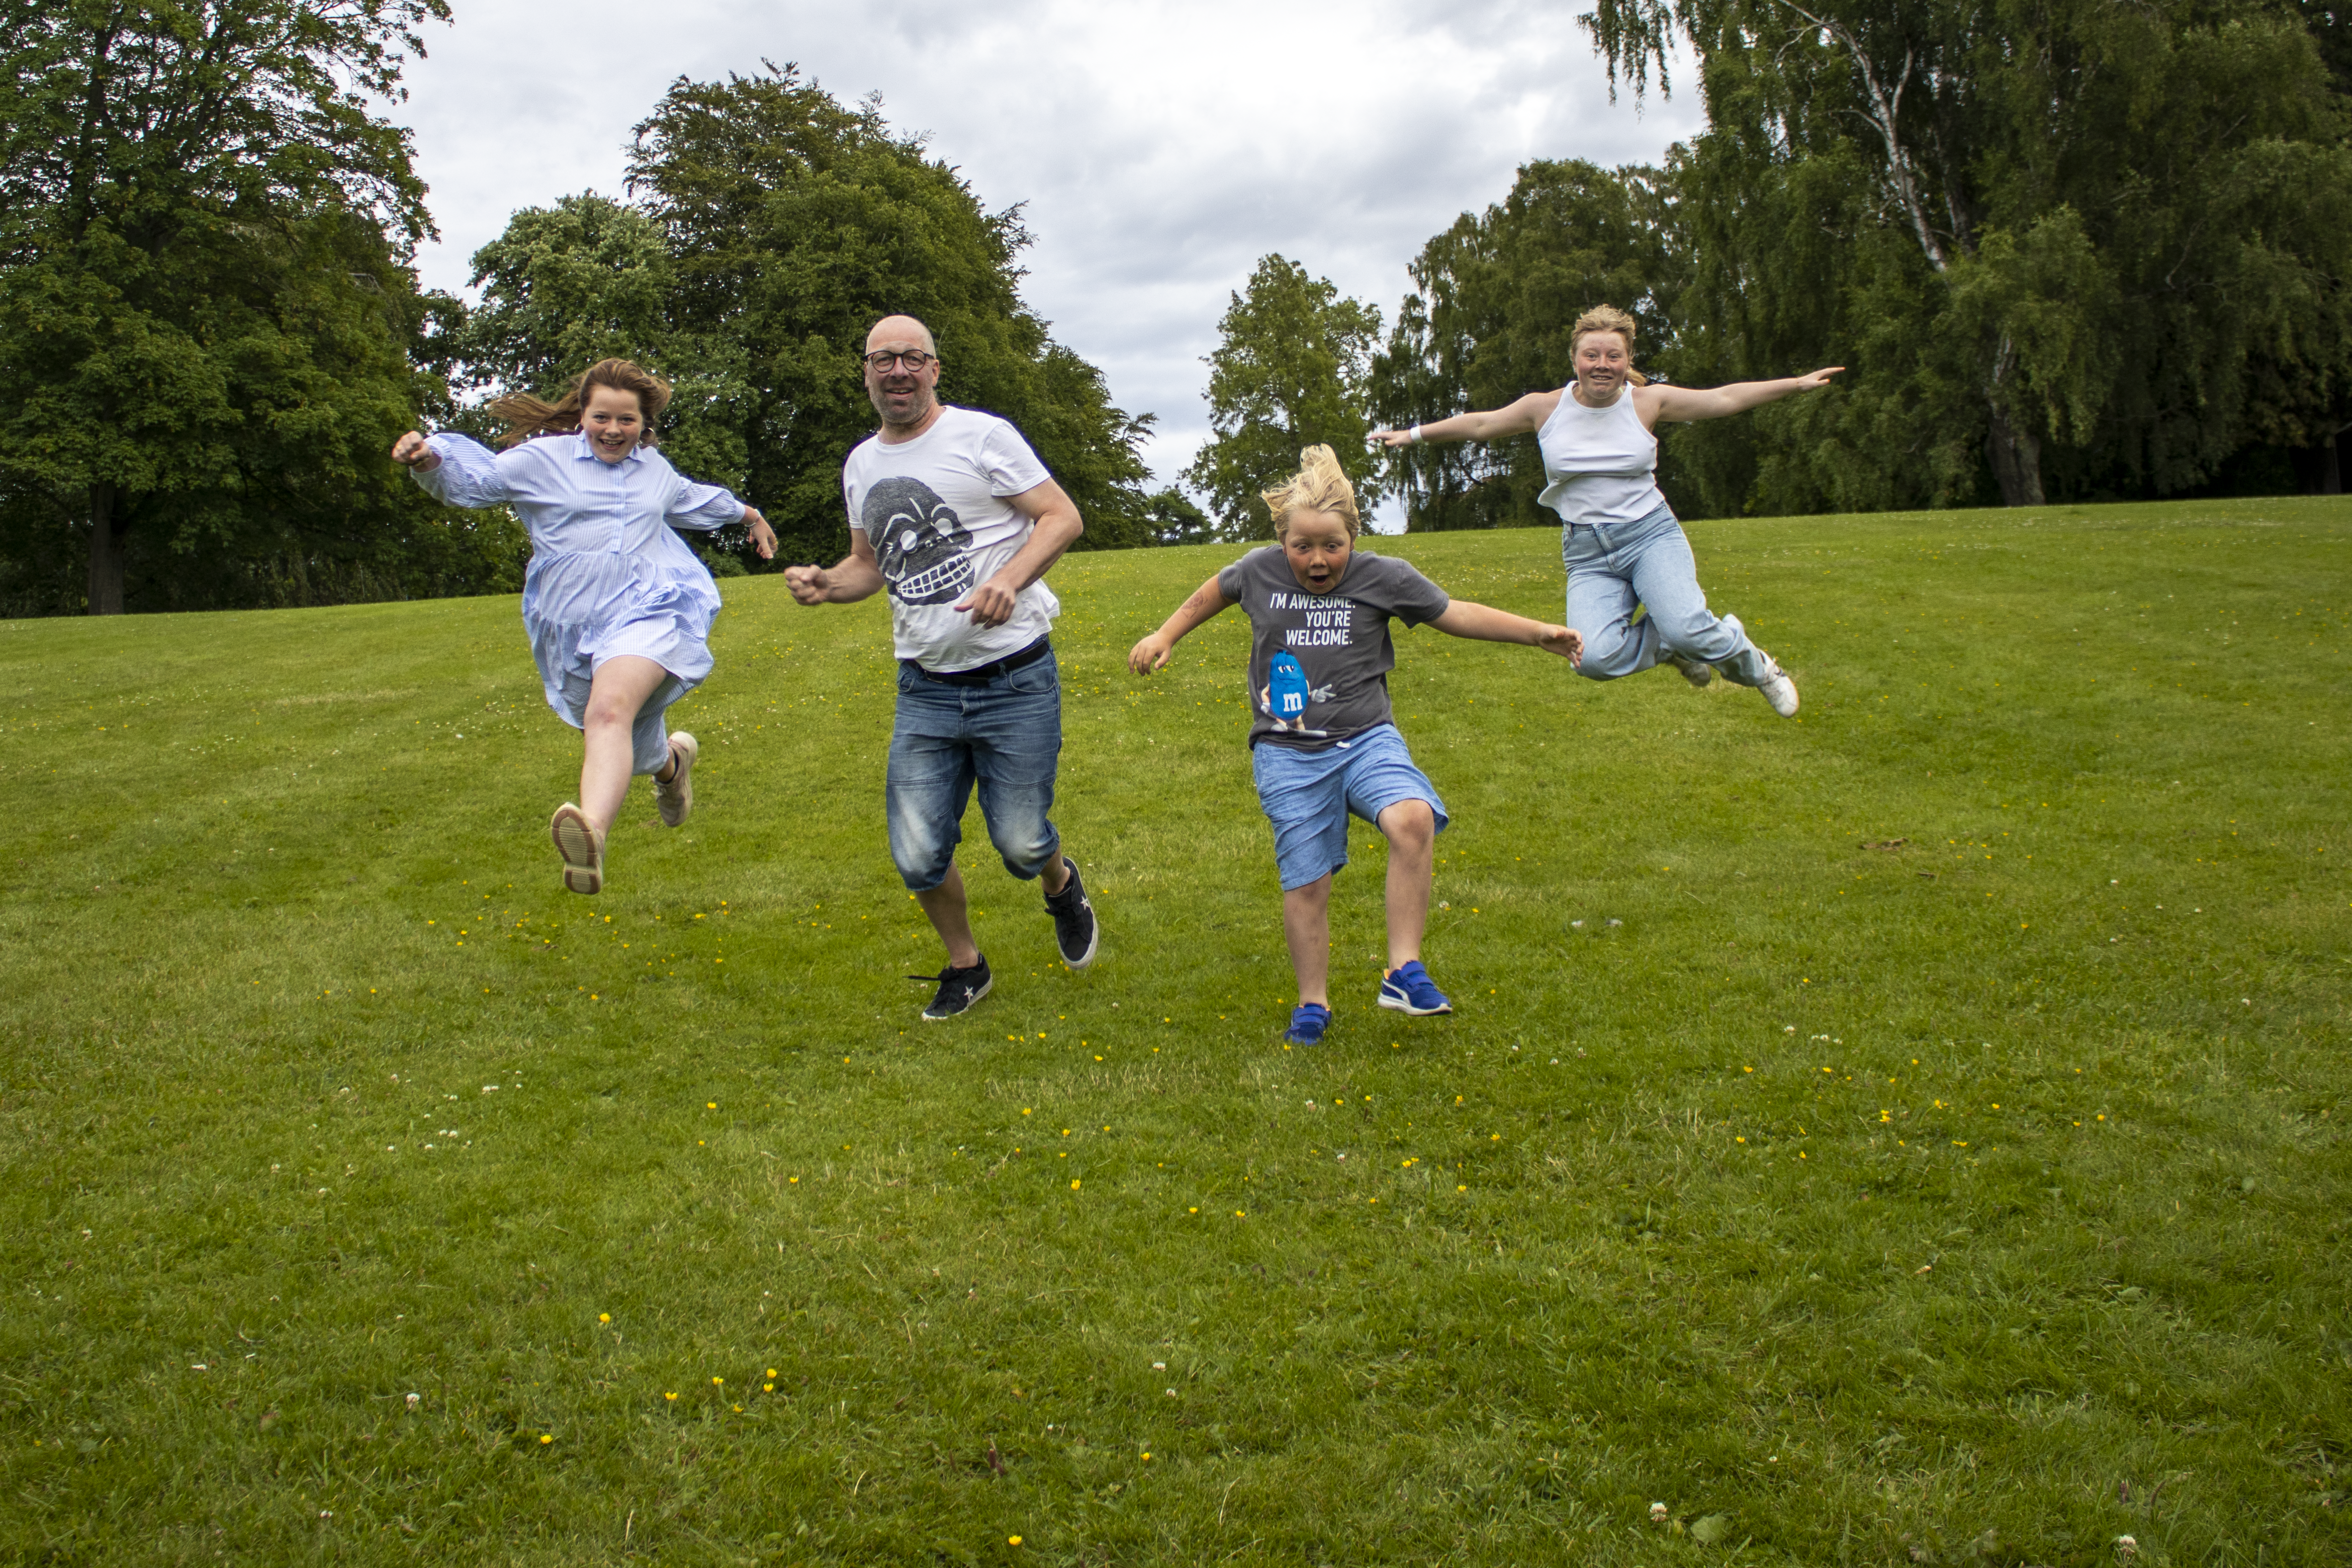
(982, 674)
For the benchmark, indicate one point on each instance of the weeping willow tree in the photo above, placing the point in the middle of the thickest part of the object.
(2068, 249)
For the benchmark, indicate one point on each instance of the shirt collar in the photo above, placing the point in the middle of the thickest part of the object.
(580, 450)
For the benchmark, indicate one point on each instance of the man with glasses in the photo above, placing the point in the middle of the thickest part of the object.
(953, 515)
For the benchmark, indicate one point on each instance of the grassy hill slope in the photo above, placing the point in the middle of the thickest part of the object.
(1909, 1133)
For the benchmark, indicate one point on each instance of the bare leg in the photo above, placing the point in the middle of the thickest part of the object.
(1411, 829)
(951, 919)
(1307, 927)
(607, 761)
(1056, 875)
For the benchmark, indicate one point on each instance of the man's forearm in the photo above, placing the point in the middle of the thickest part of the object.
(853, 579)
(1054, 535)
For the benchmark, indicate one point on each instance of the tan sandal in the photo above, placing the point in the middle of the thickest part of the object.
(581, 846)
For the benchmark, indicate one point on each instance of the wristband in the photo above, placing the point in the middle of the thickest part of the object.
(1412, 437)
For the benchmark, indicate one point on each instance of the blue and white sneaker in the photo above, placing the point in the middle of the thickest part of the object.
(1307, 1022)
(1410, 990)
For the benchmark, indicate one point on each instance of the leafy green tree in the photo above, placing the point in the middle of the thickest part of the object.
(208, 333)
(793, 222)
(1171, 517)
(589, 278)
(563, 287)
(1292, 368)
(1488, 319)
(2079, 249)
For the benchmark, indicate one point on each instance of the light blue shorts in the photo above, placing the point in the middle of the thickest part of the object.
(1307, 795)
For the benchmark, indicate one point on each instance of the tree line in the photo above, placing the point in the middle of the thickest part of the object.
(212, 332)
(2069, 250)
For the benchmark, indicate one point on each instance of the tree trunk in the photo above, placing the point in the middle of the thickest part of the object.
(2016, 460)
(107, 528)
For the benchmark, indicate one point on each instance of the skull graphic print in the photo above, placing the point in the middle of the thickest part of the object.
(919, 543)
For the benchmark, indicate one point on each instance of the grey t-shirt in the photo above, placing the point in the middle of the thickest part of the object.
(1339, 637)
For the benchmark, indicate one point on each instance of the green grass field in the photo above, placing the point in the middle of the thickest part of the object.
(1941, 1162)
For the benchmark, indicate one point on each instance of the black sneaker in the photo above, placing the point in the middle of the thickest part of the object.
(959, 989)
(1076, 931)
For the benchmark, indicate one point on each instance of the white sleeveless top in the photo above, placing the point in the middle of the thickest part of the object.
(1600, 463)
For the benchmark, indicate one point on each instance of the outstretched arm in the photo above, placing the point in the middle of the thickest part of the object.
(454, 470)
(1686, 404)
(1521, 418)
(1152, 652)
(856, 577)
(1463, 619)
(708, 507)
(412, 452)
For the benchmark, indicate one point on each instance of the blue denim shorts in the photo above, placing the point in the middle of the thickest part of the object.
(1307, 795)
(1004, 735)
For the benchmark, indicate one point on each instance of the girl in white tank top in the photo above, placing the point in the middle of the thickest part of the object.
(1600, 463)
(1619, 539)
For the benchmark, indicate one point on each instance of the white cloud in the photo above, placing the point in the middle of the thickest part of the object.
(1160, 148)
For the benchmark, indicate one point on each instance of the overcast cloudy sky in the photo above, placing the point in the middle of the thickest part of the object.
(1161, 147)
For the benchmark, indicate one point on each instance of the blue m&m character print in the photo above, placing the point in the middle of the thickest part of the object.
(1285, 689)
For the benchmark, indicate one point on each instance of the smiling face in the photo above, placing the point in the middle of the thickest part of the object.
(1317, 544)
(903, 393)
(613, 421)
(1602, 359)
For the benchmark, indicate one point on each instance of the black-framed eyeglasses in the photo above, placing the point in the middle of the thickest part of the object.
(915, 360)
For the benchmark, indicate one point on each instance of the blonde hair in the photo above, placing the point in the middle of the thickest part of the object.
(526, 417)
(1319, 485)
(1607, 319)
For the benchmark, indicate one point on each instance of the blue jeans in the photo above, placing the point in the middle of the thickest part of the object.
(1611, 566)
(1006, 736)
(1308, 796)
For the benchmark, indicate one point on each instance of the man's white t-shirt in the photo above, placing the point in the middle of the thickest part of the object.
(934, 509)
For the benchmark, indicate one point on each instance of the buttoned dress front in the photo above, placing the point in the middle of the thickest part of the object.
(607, 575)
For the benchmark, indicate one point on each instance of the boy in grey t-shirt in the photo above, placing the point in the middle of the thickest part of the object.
(1322, 744)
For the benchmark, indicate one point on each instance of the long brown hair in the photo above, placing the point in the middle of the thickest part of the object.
(1606, 319)
(526, 417)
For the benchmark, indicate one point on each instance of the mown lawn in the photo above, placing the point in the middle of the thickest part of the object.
(1941, 1162)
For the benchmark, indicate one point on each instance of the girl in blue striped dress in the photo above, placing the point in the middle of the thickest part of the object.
(617, 607)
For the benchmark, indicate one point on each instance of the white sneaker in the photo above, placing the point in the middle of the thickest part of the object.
(676, 798)
(1779, 689)
(1695, 671)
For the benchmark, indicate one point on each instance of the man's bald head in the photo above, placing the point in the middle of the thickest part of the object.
(901, 333)
(903, 393)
